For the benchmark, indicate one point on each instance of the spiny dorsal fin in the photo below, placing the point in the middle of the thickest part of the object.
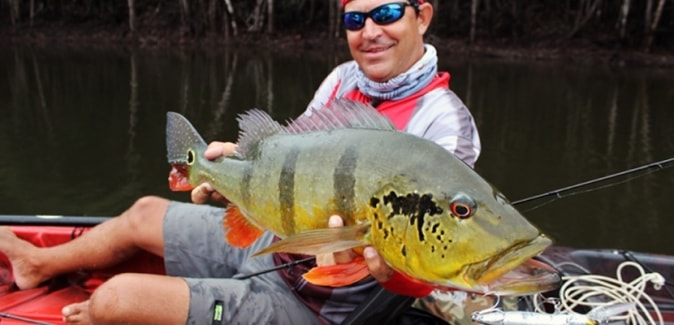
(340, 114)
(256, 125)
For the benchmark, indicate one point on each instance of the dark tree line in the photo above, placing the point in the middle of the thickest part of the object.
(644, 24)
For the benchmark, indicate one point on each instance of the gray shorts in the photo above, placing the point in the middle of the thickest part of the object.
(195, 250)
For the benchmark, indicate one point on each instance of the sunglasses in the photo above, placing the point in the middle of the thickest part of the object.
(382, 15)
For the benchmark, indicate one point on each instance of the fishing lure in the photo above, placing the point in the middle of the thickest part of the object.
(599, 315)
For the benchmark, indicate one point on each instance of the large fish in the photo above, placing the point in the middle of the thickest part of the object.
(428, 214)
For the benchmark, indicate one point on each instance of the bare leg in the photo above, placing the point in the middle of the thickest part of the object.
(139, 227)
(133, 299)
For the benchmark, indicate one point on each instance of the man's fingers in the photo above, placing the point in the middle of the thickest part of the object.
(337, 257)
(376, 264)
(202, 193)
(218, 149)
(344, 256)
(335, 221)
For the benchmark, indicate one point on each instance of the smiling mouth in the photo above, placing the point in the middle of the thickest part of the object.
(375, 49)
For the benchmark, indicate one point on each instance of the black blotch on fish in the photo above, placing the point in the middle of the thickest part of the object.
(414, 206)
(404, 250)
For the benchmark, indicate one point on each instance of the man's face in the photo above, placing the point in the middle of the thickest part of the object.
(385, 51)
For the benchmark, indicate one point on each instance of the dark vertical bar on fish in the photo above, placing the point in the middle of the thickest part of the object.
(286, 186)
(245, 183)
(344, 182)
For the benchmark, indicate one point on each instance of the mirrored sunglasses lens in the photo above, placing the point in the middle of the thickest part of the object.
(387, 14)
(354, 20)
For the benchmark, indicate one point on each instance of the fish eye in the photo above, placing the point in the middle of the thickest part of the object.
(462, 206)
(190, 157)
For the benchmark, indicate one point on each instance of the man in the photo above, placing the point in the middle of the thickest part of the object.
(394, 71)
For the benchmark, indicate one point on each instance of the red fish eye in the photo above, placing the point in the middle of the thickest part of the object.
(461, 209)
(462, 206)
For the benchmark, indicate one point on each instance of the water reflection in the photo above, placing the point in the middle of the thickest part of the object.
(82, 130)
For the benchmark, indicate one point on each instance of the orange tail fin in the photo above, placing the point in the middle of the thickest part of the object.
(239, 231)
(338, 275)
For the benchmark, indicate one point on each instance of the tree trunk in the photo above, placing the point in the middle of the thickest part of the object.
(230, 10)
(586, 10)
(270, 16)
(132, 16)
(648, 16)
(14, 11)
(654, 25)
(254, 21)
(334, 10)
(473, 20)
(624, 12)
(212, 15)
(515, 14)
(32, 13)
(185, 13)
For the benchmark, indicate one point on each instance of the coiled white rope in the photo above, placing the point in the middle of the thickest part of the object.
(598, 291)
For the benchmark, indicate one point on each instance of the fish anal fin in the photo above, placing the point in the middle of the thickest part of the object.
(338, 275)
(239, 232)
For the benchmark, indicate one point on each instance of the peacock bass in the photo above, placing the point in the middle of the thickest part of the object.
(428, 214)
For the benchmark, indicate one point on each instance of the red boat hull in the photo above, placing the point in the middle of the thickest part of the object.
(44, 304)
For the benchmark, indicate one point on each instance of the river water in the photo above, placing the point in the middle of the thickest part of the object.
(82, 130)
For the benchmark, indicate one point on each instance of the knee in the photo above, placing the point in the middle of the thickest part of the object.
(110, 303)
(147, 207)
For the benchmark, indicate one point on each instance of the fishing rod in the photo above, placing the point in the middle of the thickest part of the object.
(22, 319)
(50, 220)
(662, 164)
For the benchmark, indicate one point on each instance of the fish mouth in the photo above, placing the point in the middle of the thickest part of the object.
(179, 178)
(514, 271)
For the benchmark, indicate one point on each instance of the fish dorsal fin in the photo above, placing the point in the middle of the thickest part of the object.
(340, 114)
(256, 125)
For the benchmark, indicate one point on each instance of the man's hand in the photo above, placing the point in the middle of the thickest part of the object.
(375, 263)
(379, 270)
(205, 191)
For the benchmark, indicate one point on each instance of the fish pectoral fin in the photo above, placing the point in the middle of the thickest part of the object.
(320, 241)
(338, 275)
(239, 232)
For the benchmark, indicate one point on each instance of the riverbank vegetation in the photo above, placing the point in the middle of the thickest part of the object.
(546, 28)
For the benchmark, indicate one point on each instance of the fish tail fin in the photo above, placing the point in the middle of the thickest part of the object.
(180, 137)
(183, 146)
(338, 275)
(238, 229)
(320, 241)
